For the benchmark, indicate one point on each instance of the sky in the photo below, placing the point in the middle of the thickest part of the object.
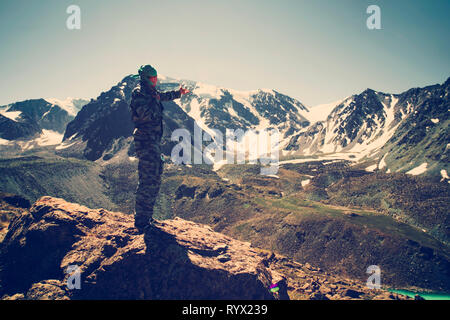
(315, 51)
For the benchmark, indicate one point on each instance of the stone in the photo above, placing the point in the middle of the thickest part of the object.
(318, 296)
(352, 293)
(224, 257)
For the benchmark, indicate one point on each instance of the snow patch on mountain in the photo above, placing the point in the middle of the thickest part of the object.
(371, 168)
(49, 137)
(207, 90)
(13, 115)
(444, 176)
(46, 138)
(64, 145)
(305, 182)
(71, 105)
(320, 112)
(382, 163)
(418, 170)
(335, 157)
(4, 142)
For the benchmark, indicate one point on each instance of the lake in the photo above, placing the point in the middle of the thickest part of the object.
(425, 295)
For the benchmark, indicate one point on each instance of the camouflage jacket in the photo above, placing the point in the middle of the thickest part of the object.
(146, 107)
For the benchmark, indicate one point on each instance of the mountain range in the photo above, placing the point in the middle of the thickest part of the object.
(406, 132)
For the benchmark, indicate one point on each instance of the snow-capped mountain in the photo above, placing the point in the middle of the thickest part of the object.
(103, 126)
(357, 125)
(35, 122)
(412, 127)
(223, 108)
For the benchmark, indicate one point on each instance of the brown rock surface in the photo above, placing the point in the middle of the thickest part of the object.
(179, 260)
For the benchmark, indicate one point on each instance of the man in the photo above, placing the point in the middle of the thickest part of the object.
(147, 113)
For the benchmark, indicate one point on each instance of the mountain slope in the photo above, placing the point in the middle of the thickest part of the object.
(423, 137)
(34, 176)
(278, 214)
(412, 125)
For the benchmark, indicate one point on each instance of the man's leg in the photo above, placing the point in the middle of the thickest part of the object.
(150, 170)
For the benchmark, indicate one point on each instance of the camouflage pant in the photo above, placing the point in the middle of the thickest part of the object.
(150, 168)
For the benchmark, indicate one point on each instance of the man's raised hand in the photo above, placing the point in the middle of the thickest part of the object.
(184, 91)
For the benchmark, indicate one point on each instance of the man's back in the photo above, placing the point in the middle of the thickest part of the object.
(146, 109)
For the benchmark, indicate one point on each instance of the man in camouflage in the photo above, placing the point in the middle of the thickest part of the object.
(147, 113)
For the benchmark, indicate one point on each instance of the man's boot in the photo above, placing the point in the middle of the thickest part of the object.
(143, 223)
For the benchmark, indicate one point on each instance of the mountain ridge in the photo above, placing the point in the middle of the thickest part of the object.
(365, 127)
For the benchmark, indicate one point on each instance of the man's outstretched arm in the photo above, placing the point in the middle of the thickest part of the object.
(171, 95)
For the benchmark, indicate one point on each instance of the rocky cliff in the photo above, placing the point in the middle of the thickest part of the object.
(179, 260)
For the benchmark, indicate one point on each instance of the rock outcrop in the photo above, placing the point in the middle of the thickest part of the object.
(11, 206)
(179, 260)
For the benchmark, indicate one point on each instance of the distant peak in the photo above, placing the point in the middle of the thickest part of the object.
(266, 90)
(447, 82)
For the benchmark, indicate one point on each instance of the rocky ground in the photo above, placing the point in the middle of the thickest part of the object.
(11, 206)
(179, 260)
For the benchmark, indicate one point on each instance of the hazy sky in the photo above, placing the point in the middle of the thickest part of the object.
(315, 51)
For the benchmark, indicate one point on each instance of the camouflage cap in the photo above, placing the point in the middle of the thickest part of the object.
(147, 71)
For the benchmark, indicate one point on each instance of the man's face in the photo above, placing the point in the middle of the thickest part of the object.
(153, 80)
